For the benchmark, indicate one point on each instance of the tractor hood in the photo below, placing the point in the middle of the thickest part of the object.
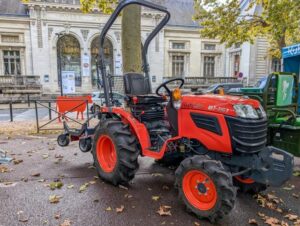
(222, 104)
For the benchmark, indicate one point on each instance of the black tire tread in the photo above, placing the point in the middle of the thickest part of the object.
(223, 182)
(127, 152)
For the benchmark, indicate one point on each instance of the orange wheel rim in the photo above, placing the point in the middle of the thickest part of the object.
(106, 153)
(244, 180)
(199, 189)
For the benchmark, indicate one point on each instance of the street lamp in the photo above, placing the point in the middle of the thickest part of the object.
(59, 35)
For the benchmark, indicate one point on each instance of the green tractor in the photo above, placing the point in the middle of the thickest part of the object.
(278, 94)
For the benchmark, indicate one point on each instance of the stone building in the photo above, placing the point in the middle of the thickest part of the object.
(40, 36)
(252, 60)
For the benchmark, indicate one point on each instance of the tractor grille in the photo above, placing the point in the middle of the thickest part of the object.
(247, 135)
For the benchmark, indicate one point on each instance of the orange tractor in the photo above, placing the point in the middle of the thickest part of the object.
(218, 141)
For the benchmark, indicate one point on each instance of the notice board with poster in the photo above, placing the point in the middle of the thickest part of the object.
(68, 82)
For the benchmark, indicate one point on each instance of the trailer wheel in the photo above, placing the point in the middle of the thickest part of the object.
(63, 140)
(205, 187)
(247, 185)
(85, 144)
(115, 152)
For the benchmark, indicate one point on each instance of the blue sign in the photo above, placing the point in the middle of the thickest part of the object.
(291, 51)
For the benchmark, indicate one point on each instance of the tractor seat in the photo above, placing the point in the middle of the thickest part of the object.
(138, 90)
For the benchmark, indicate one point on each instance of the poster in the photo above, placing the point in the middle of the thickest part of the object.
(68, 82)
(86, 65)
(118, 65)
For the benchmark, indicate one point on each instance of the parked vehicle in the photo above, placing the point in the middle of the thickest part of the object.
(221, 87)
(221, 140)
(278, 94)
(99, 100)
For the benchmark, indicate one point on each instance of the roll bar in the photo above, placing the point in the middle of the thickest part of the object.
(108, 25)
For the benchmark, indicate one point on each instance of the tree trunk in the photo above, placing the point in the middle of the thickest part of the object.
(131, 39)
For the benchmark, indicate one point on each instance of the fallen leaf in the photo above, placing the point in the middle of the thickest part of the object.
(291, 217)
(57, 216)
(128, 196)
(22, 217)
(45, 156)
(157, 175)
(41, 180)
(196, 224)
(283, 223)
(17, 161)
(296, 173)
(295, 196)
(108, 209)
(92, 182)
(4, 169)
(35, 174)
(164, 211)
(261, 214)
(272, 221)
(253, 221)
(123, 187)
(83, 187)
(66, 223)
(70, 186)
(165, 187)
(120, 209)
(56, 185)
(54, 198)
(58, 156)
(155, 198)
(289, 188)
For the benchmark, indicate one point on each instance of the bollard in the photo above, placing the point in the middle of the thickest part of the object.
(50, 116)
(87, 113)
(37, 117)
(11, 112)
(28, 100)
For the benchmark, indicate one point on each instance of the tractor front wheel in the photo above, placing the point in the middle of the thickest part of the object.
(115, 152)
(205, 187)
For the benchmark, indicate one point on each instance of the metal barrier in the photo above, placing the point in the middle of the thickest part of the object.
(48, 105)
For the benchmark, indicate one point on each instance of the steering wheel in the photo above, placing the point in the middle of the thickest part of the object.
(164, 85)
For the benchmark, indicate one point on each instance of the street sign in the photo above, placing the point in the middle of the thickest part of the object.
(68, 82)
(291, 51)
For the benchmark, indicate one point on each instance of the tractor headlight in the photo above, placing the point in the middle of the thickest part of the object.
(176, 98)
(246, 111)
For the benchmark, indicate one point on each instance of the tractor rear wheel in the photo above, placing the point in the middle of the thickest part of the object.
(205, 187)
(247, 185)
(115, 152)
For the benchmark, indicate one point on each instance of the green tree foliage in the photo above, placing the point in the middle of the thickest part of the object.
(106, 6)
(277, 20)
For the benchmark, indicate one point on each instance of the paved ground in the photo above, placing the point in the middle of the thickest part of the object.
(26, 198)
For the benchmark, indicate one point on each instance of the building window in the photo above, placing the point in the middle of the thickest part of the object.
(178, 66)
(178, 45)
(69, 57)
(276, 65)
(12, 65)
(108, 58)
(237, 60)
(209, 66)
(209, 47)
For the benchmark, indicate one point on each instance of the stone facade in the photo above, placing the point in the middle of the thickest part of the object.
(252, 60)
(38, 26)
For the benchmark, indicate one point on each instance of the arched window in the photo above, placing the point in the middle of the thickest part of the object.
(69, 57)
(109, 57)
